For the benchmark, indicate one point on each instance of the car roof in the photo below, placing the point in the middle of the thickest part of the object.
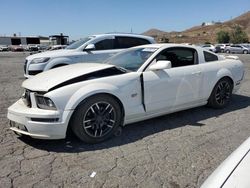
(124, 35)
(164, 45)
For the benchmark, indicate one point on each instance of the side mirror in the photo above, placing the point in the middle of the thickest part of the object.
(160, 65)
(89, 47)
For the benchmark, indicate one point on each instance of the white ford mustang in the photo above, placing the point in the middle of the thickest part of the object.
(143, 82)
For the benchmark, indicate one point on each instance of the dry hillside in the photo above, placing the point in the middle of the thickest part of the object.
(201, 34)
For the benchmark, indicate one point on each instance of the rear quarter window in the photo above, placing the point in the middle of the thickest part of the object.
(210, 57)
(127, 42)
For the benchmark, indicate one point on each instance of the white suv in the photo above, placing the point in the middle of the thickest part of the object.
(95, 48)
(209, 47)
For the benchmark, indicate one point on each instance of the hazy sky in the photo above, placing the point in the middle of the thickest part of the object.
(78, 18)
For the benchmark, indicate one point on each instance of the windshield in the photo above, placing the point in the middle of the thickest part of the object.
(79, 43)
(131, 59)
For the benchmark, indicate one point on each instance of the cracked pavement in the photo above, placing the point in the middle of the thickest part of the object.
(172, 151)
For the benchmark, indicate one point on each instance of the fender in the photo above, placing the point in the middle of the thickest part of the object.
(223, 72)
(90, 90)
(57, 61)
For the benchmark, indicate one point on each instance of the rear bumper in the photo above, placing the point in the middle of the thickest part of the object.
(38, 123)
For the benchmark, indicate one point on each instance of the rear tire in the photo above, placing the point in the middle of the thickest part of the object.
(221, 94)
(96, 119)
(227, 51)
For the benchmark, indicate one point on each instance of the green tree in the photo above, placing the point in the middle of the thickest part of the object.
(238, 35)
(223, 37)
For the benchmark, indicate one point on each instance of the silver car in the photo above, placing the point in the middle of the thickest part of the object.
(246, 45)
(238, 49)
(4, 48)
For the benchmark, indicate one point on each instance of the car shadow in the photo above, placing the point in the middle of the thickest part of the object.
(140, 130)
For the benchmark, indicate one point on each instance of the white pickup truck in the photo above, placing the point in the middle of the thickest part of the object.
(95, 48)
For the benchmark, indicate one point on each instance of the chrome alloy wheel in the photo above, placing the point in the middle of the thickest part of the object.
(99, 119)
(223, 93)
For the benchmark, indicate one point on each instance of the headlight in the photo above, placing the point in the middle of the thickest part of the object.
(45, 103)
(40, 60)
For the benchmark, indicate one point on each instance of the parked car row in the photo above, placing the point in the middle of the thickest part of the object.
(228, 48)
(217, 48)
(238, 48)
(18, 48)
(30, 47)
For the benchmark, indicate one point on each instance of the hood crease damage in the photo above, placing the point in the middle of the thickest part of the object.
(93, 75)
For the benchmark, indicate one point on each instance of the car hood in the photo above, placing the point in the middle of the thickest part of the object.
(53, 53)
(50, 79)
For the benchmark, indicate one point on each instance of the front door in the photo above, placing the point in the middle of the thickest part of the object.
(174, 88)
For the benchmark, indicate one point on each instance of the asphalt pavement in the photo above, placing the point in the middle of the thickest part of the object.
(172, 151)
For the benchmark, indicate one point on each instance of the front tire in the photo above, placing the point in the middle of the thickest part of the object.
(221, 94)
(96, 119)
(227, 51)
(245, 52)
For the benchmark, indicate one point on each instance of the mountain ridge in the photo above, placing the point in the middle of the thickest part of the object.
(202, 33)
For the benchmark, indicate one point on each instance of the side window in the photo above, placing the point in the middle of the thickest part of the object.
(179, 56)
(127, 42)
(105, 44)
(209, 56)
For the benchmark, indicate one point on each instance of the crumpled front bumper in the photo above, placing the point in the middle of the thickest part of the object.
(38, 123)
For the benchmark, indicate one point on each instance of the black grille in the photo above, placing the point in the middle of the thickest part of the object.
(34, 72)
(26, 98)
(25, 66)
(45, 119)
